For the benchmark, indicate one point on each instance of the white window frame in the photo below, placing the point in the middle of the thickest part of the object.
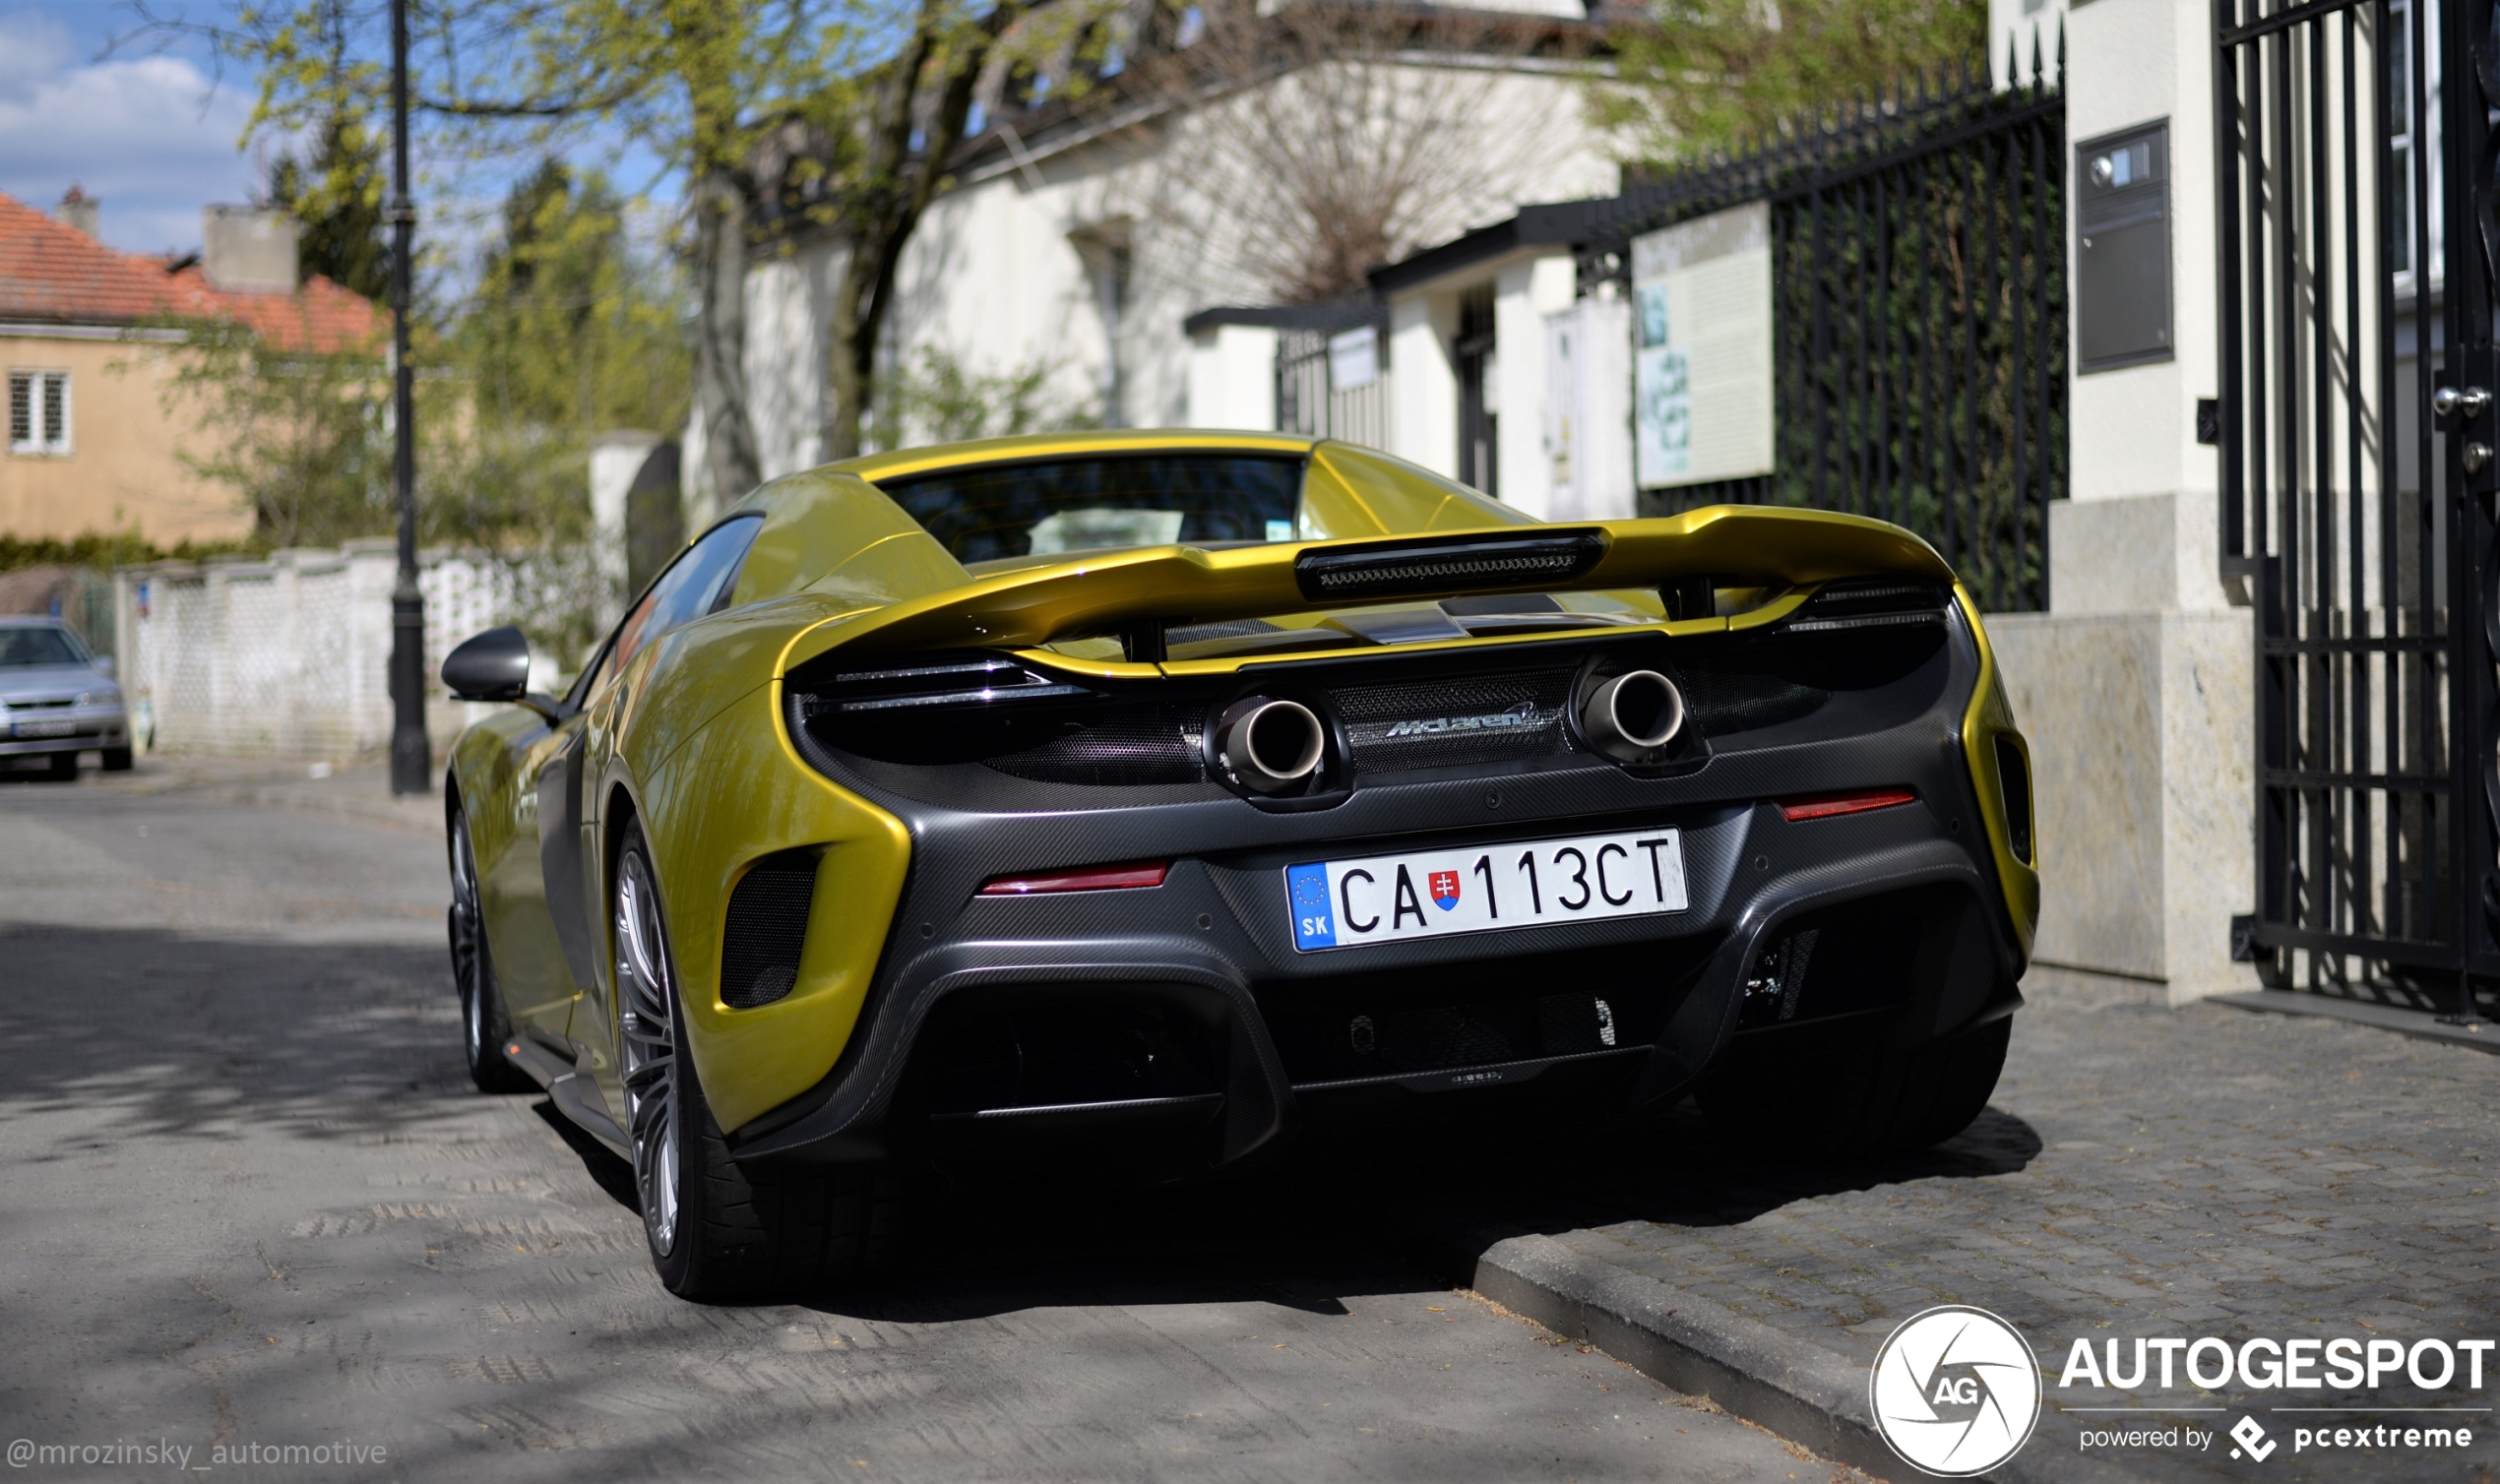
(47, 386)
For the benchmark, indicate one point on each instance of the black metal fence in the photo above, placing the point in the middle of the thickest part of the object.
(1919, 313)
(1312, 396)
(2354, 505)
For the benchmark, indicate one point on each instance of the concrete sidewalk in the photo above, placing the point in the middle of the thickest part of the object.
(2142, 1173)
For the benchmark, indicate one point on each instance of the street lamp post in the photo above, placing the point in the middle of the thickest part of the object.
(411, 758)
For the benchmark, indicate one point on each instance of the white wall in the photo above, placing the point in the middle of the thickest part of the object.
(1524, 293)
(2132, 62)
(290, 654)
(1423, 381)
(1231, 378)
(996, 279)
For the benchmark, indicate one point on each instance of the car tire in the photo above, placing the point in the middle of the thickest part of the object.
(117, 759)
(64, 768)
(484, 1026)
(1815, 1102)
(719, 1229)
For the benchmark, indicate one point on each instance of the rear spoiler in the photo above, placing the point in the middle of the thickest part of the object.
(1117, 592)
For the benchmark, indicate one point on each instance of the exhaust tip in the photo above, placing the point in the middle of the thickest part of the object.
(1270, 746)
(1632, 715)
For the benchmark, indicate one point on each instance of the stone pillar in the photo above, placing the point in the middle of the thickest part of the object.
(2135, 687)
(615, 459)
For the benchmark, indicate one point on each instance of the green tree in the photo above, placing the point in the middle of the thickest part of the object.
(938, 399)
(569, 326)
(706, 86)
(299, 436)
(1693, 77)
(336, 195)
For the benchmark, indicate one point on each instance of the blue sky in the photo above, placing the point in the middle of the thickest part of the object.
(147, 131)
(150, 129)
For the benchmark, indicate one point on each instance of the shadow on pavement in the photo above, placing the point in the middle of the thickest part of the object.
(179, 1038)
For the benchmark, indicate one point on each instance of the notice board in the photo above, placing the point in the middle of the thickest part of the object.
(1701, 357)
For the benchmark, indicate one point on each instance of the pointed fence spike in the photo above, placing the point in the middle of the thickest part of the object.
(2038, 76)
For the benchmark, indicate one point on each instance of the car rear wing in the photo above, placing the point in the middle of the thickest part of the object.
(1122, 592)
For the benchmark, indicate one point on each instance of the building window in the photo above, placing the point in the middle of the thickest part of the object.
(38, 411)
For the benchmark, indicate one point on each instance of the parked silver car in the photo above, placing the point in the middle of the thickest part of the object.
(56, 700)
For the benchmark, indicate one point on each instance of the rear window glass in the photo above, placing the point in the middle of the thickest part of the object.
(33, 645)
(1087, 503)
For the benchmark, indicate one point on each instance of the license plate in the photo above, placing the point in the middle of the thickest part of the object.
(46, 729)
(1485, 888)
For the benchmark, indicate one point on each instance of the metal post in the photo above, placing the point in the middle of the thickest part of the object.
(2473, 368)
(412, 760)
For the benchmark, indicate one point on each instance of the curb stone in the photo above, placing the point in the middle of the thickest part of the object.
(1769, 1378)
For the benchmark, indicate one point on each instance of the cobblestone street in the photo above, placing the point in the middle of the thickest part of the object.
(2141, 1172)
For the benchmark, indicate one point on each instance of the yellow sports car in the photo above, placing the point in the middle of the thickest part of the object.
(1148, 798)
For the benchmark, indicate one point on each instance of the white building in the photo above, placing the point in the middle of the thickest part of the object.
(1079, 239)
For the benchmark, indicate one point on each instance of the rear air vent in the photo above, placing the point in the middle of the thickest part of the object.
(766, 930)
(2015, 777)
(1869, 603)
(1447, 563)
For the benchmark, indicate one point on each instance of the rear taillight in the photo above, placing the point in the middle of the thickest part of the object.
(1827, 805)
(1090, 879)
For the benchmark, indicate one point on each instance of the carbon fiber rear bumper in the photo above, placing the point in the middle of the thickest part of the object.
(1215, 938)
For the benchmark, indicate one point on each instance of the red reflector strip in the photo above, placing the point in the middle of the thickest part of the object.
(1831, 804)
(1095, 879)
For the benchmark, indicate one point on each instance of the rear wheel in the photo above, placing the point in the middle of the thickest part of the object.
(1836, 1100)
(485, 1026)
(719, 1229)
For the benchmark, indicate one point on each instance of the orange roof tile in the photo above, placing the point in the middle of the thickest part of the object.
(56, 274)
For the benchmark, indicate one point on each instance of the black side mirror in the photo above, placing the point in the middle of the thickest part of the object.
(493, 666)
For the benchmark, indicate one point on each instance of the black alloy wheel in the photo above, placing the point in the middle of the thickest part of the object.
(485, 1026)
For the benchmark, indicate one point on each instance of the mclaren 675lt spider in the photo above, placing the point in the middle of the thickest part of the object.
(1158, 799)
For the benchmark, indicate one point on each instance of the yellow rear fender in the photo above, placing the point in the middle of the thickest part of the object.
(1992, 741)
(733, 795)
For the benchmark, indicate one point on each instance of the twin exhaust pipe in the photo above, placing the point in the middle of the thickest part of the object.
(1632, 715)
(1272, 747)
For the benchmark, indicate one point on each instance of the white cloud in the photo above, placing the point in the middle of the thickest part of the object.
(148, 136)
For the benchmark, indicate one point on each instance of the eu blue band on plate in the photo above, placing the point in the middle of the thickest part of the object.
(1313, 915)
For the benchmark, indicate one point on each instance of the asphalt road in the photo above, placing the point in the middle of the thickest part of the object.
(248, 1200)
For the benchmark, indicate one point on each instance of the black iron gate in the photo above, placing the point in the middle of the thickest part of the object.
(1918, 314)
(2356, 433)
